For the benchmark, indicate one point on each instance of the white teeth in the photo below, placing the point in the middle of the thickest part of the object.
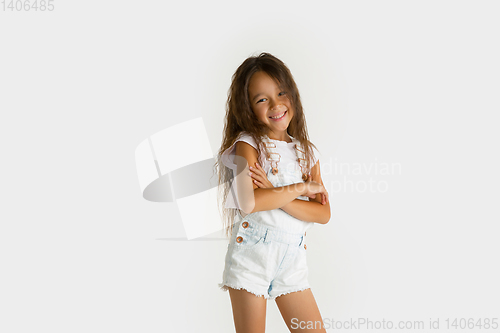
(278, 116)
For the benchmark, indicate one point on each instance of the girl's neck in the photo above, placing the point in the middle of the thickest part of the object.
(283, 136)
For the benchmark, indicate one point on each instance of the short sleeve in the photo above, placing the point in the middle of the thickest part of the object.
(227, 157)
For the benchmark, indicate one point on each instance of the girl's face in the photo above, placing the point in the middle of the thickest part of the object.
(270, 104)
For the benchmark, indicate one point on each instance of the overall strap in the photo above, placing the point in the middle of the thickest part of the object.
(272, 154)
(301, 158)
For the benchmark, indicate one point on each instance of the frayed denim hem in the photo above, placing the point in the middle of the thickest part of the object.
(225, 286)
(291, 291)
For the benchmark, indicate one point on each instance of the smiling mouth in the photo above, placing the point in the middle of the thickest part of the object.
(280, 116)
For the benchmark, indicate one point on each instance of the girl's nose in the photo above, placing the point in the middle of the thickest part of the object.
(277, 106)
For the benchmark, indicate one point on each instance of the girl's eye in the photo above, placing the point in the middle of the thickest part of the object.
(280, 94)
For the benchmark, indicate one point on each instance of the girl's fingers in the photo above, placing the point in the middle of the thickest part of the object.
(262, 175)
(258, 180)
(257, 170)
(255, 176)
(259, 184)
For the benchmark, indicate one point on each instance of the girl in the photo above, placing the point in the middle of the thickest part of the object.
(272, 190)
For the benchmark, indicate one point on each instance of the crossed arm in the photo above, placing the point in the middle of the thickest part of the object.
(309, 211)
(261, 194)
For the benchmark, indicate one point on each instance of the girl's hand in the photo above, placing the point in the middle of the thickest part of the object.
(312, 196)
(259, 177)
(312, 188)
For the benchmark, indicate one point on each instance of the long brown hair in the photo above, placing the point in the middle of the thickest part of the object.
(240, 118)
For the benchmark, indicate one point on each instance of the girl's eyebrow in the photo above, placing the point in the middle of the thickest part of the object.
(255, 97)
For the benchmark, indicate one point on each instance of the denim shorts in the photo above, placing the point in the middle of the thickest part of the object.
(265, 261)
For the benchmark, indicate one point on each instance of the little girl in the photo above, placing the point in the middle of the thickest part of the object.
(273, 193)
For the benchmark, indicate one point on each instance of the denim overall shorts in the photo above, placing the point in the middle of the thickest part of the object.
(268, 259)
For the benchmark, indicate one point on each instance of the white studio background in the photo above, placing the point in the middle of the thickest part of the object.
(412, 85)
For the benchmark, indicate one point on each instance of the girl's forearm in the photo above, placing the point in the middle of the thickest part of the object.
(276, 197)
(308, 211)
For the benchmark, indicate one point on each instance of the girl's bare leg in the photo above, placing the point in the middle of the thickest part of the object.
(299, 309)
(249, 311)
